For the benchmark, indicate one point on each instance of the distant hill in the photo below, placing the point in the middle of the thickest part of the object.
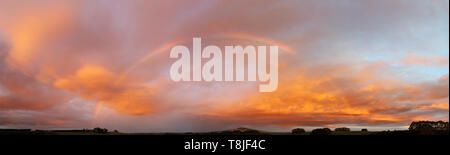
(241, 131)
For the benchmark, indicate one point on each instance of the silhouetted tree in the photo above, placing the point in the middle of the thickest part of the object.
(323, 131)
(364, 130)
(429, 128)
(100, 130)
(298, 131)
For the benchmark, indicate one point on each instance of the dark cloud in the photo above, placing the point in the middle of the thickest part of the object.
(21, 92)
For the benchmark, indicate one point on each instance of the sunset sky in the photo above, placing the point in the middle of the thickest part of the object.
(73, 64)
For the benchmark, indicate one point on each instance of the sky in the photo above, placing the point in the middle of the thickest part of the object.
(72, 64)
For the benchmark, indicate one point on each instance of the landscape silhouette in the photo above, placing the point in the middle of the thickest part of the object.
(416, 128)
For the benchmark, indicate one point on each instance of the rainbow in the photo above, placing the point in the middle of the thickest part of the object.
(244, 36)
(168, 46)
(149, 55)
(96, 111)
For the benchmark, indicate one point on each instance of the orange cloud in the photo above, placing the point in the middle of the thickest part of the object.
(31, 32)
(433, 61)
(304, 100)
(98, 84)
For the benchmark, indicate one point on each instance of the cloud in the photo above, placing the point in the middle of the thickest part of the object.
(304, 100)
(73, 114)
(432, 61)
(98, 84)
(21, 92)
